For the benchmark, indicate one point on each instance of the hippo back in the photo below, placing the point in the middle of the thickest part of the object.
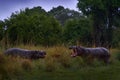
(17, 52)
(31, 54)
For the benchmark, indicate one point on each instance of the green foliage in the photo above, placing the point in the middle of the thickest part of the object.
(37, 27)
(33, 26)
(78, 30)
(88, 6)
(102, 13)
(116, 39)
(1, 30)
(62, 14)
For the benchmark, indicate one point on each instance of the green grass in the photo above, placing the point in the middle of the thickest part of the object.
(58, 65)
(87, 73)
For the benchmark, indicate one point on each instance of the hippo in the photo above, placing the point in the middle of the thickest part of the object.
(24, 53)
(100, 53)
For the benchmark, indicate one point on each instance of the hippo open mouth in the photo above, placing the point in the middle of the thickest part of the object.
(74, 51)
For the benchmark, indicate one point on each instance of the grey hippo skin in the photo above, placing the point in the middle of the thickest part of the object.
(24, 53)
(100, 53)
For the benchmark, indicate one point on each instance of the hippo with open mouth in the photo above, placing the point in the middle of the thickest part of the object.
(100, 53)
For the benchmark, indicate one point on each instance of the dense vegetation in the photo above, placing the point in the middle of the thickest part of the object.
(61, 26)
(32, 26)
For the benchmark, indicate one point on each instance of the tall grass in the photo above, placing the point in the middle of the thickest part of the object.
(57, 60)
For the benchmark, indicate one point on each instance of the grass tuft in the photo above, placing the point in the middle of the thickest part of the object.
(27, 65)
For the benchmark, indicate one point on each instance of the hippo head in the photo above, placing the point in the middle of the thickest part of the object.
(76, 51)
(38, 54)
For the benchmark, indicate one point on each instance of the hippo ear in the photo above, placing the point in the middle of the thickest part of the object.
(72, 47)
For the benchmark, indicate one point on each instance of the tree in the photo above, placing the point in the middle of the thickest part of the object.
(62, 14)
(102, 12)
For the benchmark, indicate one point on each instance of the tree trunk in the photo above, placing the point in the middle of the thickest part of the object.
(96, 28)
(109, 30)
